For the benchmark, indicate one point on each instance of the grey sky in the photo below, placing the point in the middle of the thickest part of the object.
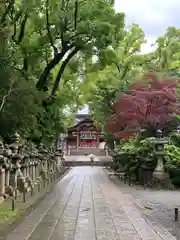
(153, 16)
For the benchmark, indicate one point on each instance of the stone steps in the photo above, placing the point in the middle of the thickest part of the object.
(87, 163)
(88, 151)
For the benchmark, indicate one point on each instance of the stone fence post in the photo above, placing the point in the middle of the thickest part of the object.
(30, 169)
(7, 175)
(2, 179)
(58, 158)
(7, 154)
(36, 165)
(14, 171)
(4, 174)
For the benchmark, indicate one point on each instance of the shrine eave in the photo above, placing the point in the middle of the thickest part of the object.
(80, 123)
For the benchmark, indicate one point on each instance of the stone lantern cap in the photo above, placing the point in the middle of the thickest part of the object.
(159, 133)
(16, 136)
(7, 151)
(57, 153)
(26, 159)
(17, 157)
(14, 146)
(160, 141)
(1, 144)
(159, 138)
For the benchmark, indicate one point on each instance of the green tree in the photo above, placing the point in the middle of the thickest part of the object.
(166, 56)
(33, 35)
(114, 70)
(50, 33)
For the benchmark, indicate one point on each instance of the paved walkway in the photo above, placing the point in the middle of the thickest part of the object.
(86, 205)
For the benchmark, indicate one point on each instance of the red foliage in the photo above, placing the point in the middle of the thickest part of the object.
(150, 103)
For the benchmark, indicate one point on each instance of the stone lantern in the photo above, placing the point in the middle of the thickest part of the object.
(178, 130)
(7, 151)
(58, 160)
(1, 147)
(2, 176)
(16, 138)
(159, 143)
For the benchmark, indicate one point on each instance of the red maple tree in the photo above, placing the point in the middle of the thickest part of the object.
(149, 104)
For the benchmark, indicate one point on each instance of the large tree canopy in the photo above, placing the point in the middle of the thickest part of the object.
(113, 71)
(50, 33)
(125, 64)
(44, 43)
(56, 56)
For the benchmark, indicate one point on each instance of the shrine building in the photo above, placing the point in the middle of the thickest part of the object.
(84, 134)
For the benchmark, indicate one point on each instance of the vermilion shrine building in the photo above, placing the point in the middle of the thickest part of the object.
(84, 134)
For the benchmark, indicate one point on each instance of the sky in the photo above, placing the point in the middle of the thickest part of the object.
(153, 16)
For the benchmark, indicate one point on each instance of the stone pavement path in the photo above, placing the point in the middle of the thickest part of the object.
(86, 205)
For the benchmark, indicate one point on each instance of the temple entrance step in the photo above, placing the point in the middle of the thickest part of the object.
(88, 151)
(87, 163)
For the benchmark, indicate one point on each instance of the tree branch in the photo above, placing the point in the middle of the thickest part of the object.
(138, 108)
(49, 31)
(118, 68)
(14, 22)
(4, 99)
(125, 71)
(66, 46)
(10, 6)
(8, 93)
(14, 33)
(44, 75)
(75, 14)
(22, 28)
(62, 68)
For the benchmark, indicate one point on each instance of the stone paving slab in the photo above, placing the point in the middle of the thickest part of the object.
(86, 205)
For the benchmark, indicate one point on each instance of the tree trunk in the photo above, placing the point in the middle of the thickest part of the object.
(61, 70)
(43, 78)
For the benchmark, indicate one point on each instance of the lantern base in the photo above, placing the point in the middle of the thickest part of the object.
(160, 175)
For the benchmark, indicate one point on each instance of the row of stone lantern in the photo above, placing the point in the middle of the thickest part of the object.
(22, 166)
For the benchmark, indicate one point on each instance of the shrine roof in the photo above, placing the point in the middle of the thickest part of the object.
(80, 123)
(82, 119)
